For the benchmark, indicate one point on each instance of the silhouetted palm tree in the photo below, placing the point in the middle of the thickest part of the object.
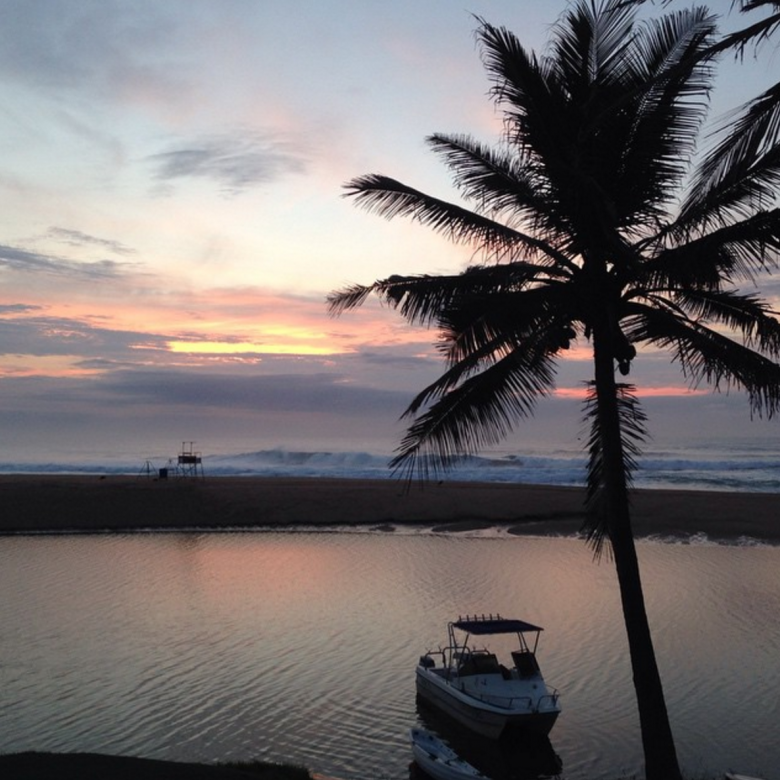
(582, 239)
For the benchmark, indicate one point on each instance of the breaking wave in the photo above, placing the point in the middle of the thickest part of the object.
(748, 470)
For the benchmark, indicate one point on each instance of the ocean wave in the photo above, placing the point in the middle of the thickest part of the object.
(754, 471)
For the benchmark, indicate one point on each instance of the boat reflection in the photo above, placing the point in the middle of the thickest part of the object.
(518, 755)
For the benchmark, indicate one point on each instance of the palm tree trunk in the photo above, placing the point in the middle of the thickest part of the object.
(657, 740)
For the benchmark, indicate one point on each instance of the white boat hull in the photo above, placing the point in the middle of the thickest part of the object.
(489, 720)
(438, 761)
(732, 776)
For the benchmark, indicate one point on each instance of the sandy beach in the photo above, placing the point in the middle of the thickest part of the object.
(63, 503)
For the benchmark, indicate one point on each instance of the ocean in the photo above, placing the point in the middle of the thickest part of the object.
(751, 467)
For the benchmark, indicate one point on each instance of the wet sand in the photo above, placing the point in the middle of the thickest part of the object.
(63, 503)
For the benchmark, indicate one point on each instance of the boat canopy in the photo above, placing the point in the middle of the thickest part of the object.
(494, 625)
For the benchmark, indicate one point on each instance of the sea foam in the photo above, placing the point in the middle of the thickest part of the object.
(748, 470)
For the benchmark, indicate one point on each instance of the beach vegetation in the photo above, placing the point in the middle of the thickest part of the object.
(591, 224)
(268, 770)
(35, 765)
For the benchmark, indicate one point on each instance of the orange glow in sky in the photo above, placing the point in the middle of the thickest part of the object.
(640, 392)
(268, 348)
(44, 365)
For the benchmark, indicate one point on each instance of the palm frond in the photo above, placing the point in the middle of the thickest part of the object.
(350, 297)
(503, 183)
(422, 299)
(590, 44)
(418, 298)
(478, 413)
(730, 252)
(745, 314)
(672, 83)
(478, 331)
(742, 174)
(633, 435)
(754, 33)
(518, 80)
(495, 180)
(706, 355)
(390, 198)
(533, 352)
(541, 314)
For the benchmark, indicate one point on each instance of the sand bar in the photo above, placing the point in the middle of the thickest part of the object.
(64, 503)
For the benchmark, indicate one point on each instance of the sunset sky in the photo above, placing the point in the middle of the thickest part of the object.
(172, 220)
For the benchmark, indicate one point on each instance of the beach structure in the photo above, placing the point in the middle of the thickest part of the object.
(148, 470)
(189, 462)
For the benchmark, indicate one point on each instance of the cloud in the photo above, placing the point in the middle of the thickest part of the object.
(153, 394)
(32, 343)
(235, 161)
(79, 239)
(321, 392)
(147, 322)
(21, 260)
(17, 308)
(47, 336)
(399, 359)
(105, 45)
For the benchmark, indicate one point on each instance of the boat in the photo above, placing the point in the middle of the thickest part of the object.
(438, 760)
(732, 776)
(469, 684)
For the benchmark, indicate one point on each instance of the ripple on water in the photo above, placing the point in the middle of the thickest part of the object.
(301, 647)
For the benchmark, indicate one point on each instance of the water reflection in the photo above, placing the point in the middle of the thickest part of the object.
(303, 648)
(518, 755)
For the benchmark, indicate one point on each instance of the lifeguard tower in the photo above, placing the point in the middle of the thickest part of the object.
(189, 462)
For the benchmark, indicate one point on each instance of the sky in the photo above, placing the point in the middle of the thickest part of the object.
(172, 219)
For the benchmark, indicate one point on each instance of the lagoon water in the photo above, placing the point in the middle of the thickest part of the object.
(301, 647)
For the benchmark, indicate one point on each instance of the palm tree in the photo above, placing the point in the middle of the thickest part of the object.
(583, 237)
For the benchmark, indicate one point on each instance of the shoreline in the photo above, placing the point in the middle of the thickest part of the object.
(61, 504)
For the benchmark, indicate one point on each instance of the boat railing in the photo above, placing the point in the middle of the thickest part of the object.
(451, 655)
(550, 700)
(507, 702)
(429, 654)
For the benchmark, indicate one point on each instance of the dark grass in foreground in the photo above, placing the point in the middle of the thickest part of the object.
(269, 771)
(95, 766)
